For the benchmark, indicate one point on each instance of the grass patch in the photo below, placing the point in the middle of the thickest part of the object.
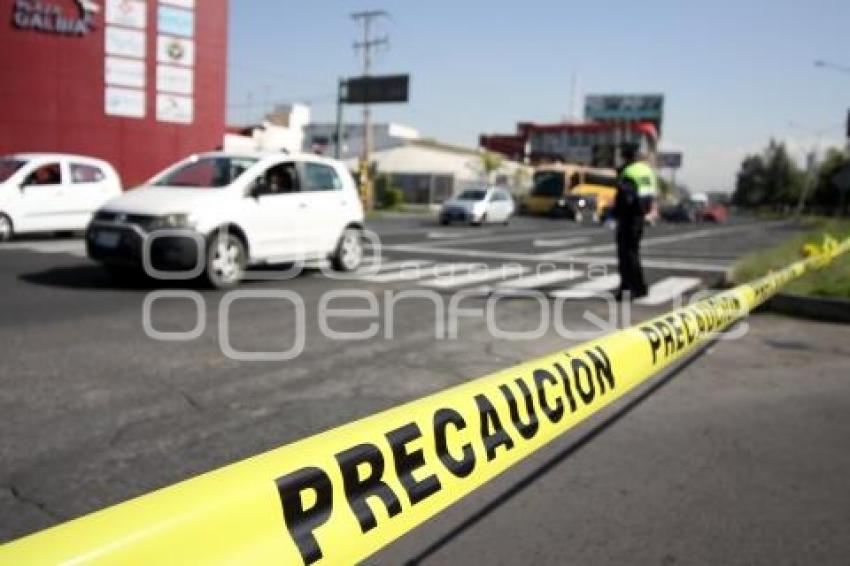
(833, 281)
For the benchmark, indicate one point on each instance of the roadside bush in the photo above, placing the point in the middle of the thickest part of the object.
(386, 195)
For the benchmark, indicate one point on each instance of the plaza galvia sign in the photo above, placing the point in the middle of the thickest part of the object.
(54, 17)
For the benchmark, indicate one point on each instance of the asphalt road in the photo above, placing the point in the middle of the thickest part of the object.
(96, 410)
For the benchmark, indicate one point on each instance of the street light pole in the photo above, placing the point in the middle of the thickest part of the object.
(811, 164)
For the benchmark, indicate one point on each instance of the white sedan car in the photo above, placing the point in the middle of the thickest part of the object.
(50, 192)
(213, 214)
(479, 206)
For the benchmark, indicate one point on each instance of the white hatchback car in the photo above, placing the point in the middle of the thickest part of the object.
(51, 192)
(242, 208)
(478, 206)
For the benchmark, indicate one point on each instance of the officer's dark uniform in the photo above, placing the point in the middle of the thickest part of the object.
(629, 210)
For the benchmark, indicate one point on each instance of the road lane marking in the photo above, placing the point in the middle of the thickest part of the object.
(654, 264)
(589, 288)
(559, 243)
(420, 272)
(440, 235)
(395, 265)
(511, 236)
(476, 276)
(668, 289)
(541, 279)
(593, 260)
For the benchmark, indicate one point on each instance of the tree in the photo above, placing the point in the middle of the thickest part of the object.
(750, 188)
(784, 180)
(490, 163)
(831, 191)
(769, 179)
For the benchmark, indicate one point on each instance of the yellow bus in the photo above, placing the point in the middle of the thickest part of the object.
(560, 186)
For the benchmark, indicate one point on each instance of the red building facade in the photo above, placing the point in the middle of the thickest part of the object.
(139, 83)
(587, 143)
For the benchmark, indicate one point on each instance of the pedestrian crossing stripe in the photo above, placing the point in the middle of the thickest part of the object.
(668, 289)
(590, 288)
(475, 276)
(413, 272)
(545, 279)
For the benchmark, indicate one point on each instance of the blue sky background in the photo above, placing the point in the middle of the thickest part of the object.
(733, 73)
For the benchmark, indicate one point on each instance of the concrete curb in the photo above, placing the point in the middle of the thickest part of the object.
(814, 308)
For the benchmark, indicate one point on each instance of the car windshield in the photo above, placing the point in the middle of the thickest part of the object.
(206, 172)
(473, 195)
(8, 167)
(548, 184)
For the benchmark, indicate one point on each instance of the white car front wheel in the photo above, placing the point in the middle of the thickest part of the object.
(349, 251)
(226, 260)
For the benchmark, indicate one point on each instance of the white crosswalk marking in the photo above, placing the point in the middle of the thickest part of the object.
(419, 272)
(541, 279)
(667, 290)
(392, 265)
(480, 275)
(589, 288)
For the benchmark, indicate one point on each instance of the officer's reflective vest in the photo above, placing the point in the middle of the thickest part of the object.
(643, 177)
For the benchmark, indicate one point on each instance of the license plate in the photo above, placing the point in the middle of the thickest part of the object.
(108, 239)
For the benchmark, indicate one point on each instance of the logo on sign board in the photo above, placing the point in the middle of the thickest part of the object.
(51, 17)
(176, 50)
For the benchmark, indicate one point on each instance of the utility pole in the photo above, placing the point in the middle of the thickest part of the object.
(366, 45)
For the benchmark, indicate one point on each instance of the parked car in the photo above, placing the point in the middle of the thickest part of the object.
(479, 206)
(580, 208)
(683, 211)
(714, 212)
(51, 192)
(245, 209)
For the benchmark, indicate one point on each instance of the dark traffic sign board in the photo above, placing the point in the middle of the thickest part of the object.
(668, 159)
(369, 90)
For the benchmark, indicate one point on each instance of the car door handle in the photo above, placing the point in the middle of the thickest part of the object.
(302, 205)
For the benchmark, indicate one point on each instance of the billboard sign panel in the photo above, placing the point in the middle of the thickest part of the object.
(125, 72)
(668, 159)
(386, 88)
(625, 108)
(125, 42)
(126, 102)
(175, 109)
(128, 13)
(174, 79)
(175, 50)
(175, 21)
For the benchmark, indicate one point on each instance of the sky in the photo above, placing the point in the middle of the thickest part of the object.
(733, 73)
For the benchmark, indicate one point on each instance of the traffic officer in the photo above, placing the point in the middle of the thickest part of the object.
(636, 192)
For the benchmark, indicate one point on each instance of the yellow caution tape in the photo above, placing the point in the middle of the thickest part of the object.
(339, 496)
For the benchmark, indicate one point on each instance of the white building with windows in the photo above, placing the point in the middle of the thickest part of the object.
(429, 172)
(321, 138)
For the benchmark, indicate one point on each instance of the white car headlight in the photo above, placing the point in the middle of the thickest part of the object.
(171, 221)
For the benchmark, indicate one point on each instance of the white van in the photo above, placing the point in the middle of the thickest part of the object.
(51, 192)
(240, 209)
